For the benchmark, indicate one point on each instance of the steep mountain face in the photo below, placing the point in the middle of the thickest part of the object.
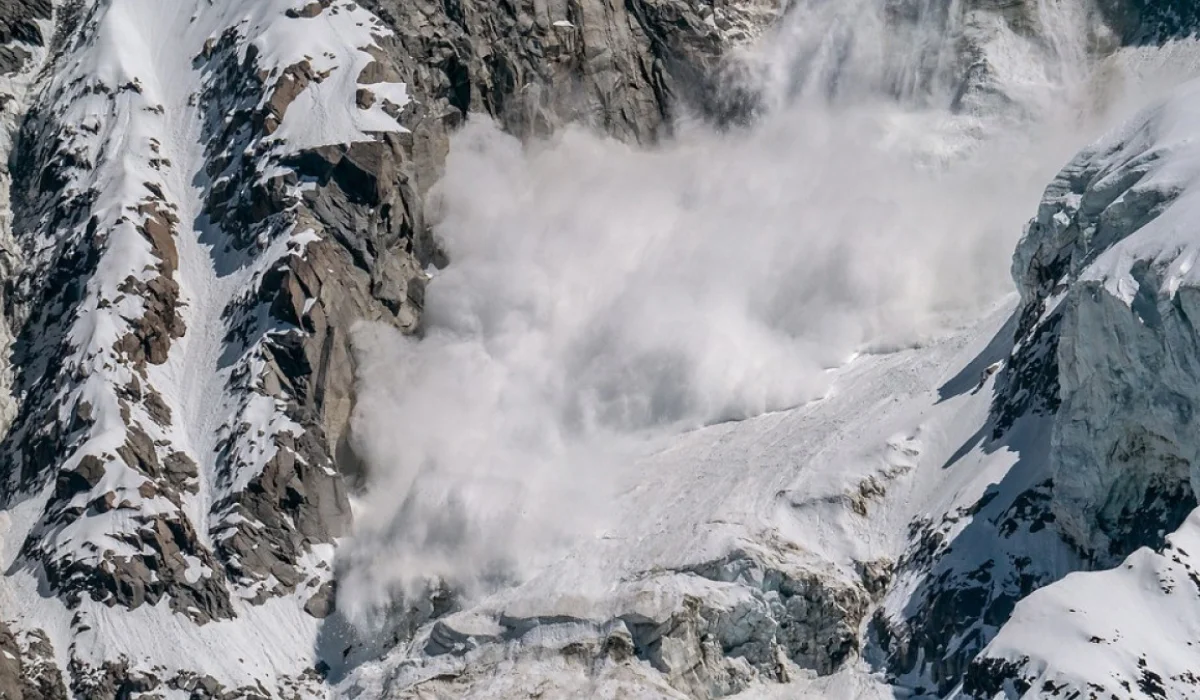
(1007, 457)
(1105, 271)
(205, 199)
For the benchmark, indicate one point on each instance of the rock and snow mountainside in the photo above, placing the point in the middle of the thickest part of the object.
(203, 197)
(1108, 295)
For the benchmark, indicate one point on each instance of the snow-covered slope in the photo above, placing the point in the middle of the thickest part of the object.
(1108, 266)
(156, 464)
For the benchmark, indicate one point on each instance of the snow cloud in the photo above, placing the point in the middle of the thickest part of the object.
(600, 293)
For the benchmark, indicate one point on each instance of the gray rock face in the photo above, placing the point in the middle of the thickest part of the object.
(1125, 370)
(514, 64)
(27, 668)
(621, 67)
(1096, 397)
(19, 32)
(965, 582)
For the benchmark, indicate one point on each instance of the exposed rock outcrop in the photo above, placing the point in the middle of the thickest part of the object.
(624, 68)
(98, 304)
(21, 33)
(28, 669)
(708, 632)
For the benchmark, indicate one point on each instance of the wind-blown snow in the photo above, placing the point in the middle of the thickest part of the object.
(600, 293)
(578, 308)
(794, 276)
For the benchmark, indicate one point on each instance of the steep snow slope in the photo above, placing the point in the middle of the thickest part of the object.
(1114, 247)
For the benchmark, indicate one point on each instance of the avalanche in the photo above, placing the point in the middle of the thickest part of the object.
(876, 519)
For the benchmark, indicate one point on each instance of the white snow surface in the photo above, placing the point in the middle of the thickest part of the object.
(1160, 150)
(1129, 631)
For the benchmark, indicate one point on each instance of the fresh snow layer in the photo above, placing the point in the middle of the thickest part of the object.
(1130, 631)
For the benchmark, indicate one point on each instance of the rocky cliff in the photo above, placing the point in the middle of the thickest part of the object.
(1094, 395)
(204, 201)
(1107, 293)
